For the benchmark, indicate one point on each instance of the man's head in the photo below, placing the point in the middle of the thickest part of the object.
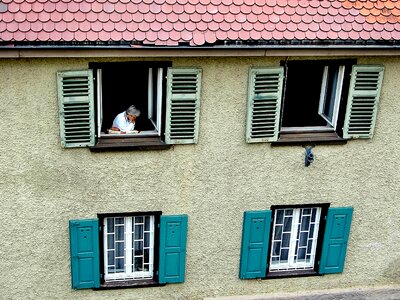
(132, 113)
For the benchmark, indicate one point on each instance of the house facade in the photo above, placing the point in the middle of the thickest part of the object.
(254, 169)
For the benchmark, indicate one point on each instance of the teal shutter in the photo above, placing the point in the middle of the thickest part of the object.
(336, 235)
(362, 102)
(183, 106)
(173, 231)
(85, 262)
(264, 104)
(76, 108)
(255, 239)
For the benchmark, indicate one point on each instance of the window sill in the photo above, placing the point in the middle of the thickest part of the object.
(294, 273)
(129, 143)
(129, 284)
(309, 138)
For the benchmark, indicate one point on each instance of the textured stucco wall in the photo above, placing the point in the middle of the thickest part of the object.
(43, 186)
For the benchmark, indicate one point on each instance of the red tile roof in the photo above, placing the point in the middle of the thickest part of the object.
(198, 22)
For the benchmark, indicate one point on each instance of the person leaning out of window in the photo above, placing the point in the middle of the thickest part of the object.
(125, 121)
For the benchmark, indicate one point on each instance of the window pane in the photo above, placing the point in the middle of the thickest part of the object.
(284, 254)
(146, 267)
(301, 254)
(146, 255)
(147, 223)
(111, 258)
(110, 241)
(287, 224)
(285, 240)
(305, 223)
(119, 220)
(276, 248)
(110, 225)
(120, 233)
(138, 232)
(138, 248)
(120, 249)
(119, 265)
(278, 232)
(138, 219)
(279, 216)
(303, 239)
(138, 263)
(330, 95)
(147, 239)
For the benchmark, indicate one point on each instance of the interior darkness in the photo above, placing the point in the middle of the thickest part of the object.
(123, 86)
(302, 94)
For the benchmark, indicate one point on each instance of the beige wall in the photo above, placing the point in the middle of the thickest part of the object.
(43, 186)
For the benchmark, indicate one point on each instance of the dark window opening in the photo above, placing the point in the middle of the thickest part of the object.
(314, 95)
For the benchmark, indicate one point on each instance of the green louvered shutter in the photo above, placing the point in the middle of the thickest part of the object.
(76, 106)
(264, 104)
(336, 235)
(362, 103)
(173, 232)
(85, 260)
(255, 239)
(183, 106)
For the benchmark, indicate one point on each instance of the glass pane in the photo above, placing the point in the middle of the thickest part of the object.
(120, 233)
(146, 267)
(138, 248)
(119, 249)
(279, 216)
(110, 241)
(110, 225)
(147, 223)
(287, 224)
(311, 233)
(278, 233)
(119, 265)
(306, 211)
(303, 239)
(110, 257)
(119, 220)
(288, 212)
(275, 259)
(146, 255)
(301, 253)
(138, 232)
(285, 240)
(305, 223)
(147, 239)
(309, 247)
(284, 254)
(111, 270)
(308, 258)
(330, 92)
(313, 215)
(138, 219)
(138, 263)
(276, 248)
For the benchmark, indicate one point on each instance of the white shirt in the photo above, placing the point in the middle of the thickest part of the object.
(122, 122)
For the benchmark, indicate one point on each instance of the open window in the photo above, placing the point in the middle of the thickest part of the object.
(313, 101)
(120, 85)
(168, 99)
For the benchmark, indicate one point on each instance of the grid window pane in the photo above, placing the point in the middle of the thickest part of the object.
(128, 248)
(294, 243)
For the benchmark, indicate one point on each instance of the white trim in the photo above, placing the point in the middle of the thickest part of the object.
(307, 129)
(99, 101)
(338, 94)
(150, 94)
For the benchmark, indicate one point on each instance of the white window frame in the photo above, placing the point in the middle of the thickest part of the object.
(338, 94)
(292, 263)
(129, 243)
(156, 120)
